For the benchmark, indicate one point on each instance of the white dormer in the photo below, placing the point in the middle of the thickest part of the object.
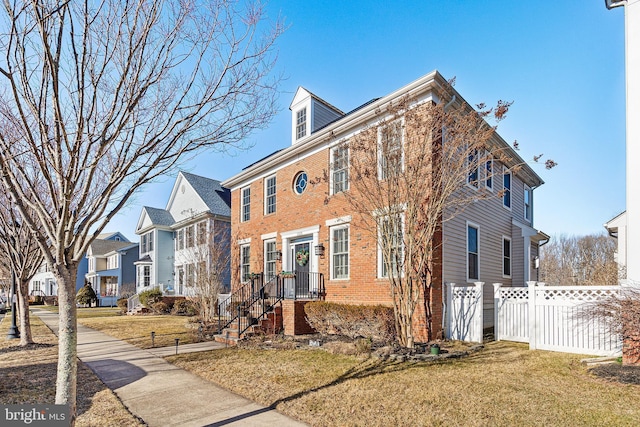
(309, 113)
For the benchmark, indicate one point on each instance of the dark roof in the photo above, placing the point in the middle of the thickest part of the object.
(216, 197)
(102, 247)
(264, 158)
(159, 216)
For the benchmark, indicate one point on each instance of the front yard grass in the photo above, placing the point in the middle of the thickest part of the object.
(28, 376)
(505, 384)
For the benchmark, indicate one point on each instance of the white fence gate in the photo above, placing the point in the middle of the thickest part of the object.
(547, 317)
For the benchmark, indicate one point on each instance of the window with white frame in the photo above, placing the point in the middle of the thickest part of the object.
(301, 123)
(390, 232)
(390, 153)
(111, 289)
(190, 274)
(339, 168)
(189, 240)
(180, 239)
(180, 270)
(246, 204)
(145, 275)
(36, 286)
(245, 262)
(112, 262)
(270, 258)
(506, 183)
(202, 232)
(488, 171)
(528, 203)
(270, 195)
(146, 241)
(506, 257)
(472, 169)
(340, 252)
(473, 252)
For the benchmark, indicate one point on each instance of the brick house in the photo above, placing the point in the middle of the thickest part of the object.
(282, 223)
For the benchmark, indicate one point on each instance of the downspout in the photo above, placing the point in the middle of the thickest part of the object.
(442, 285)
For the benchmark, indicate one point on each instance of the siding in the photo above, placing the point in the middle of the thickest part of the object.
(322, 115)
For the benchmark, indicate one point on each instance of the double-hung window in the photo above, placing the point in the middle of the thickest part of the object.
(340, 168)
(391, 246)
(473, 252)
(270, 257)
(180, 239)
(488, 170)
(245, 262)
(340, 252)
(390, 155)
(472, 169)
(301, 123)
(506, 257)
(202, 232)
(506, 183)
(270, 195)
(246, 204)
(189, 236)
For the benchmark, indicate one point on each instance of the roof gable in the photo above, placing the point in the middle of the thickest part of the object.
(194, 194)
(150, 217)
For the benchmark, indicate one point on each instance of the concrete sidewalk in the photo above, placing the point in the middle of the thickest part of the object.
(161, 393)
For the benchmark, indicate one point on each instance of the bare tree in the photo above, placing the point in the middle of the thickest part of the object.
(579, 260)
(22, 259)
(408, 173)
(102, 97)
(210, 258)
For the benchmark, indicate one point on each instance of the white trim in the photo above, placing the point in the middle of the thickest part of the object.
(466, 245)
(340, 226)
(385, 123)
(338, 221)
(528, 190)
(505, 173)
(244, 241)
(489, 175)
(242, 205)
(332, 150)
(467, 164)
(268, 236)
(288, 236)
(380, 260)
(266, 197)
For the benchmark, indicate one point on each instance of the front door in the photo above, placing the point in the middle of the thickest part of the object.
(301, 258)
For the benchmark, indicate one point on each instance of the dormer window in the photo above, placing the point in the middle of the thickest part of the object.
(301, 123)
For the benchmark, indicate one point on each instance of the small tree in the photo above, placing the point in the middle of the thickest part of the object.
(410, 172)
(86, 295)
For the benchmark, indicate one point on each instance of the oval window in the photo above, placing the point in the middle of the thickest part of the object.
(300, 182)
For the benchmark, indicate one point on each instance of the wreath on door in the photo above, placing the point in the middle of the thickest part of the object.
(302, 257)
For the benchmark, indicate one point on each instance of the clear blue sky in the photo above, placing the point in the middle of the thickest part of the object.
(561, 62)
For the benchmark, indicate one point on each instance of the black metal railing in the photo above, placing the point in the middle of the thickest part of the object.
(250, 303)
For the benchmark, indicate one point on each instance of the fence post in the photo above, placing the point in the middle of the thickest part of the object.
(479, 313)
(533, 320)
(496, 311)
(449, 309)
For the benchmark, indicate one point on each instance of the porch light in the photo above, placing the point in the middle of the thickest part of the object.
(319, 249)
(278, 256)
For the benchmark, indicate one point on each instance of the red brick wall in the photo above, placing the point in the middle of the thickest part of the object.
(295, 318)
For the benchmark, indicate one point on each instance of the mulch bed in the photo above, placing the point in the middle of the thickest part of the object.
(625, 374)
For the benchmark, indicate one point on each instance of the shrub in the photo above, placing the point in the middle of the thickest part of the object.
(86, 295)
(150, 296)
(184, 307)
(354, 321)
(122, 304)
(160, 307)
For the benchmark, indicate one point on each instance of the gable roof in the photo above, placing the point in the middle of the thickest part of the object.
(101, 247)
(158, 216)
(215, 196)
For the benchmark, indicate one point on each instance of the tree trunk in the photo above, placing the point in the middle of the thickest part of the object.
(67, 341)
(26, 337)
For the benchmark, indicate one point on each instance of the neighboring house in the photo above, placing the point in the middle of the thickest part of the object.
(43, 283)
(279, 217)
(111, 268)
(174, 241)
(617, 228)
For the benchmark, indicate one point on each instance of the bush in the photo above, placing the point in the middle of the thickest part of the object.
(354, 321)
(122, 304)
(150, 296)
(86, 295)
(160, 307)
(184, 307)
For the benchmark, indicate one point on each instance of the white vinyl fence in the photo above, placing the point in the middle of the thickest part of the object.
(547, 317)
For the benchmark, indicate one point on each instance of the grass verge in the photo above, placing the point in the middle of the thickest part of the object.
(29, 376)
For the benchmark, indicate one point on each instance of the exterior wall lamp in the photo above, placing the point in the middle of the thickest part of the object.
(319, 250)
(278, 255)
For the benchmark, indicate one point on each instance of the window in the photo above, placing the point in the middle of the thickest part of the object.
(340, 169)
(111, 289)
(300, 182)
(270, 257)
(488, 169)
(189, 237)
(180, 239)
(472, 169)
(473, 252)
(391, 244)
(36, 287)
(270, 195)
(506, 257)
(528, 203)
(190, 274)
(202, 232)
(245, 262)
(301, 123)
(390, 149)
(146, 275)
(340, 252)
(246, 204)
(112, 262)
(506, 197)
(147, 242)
